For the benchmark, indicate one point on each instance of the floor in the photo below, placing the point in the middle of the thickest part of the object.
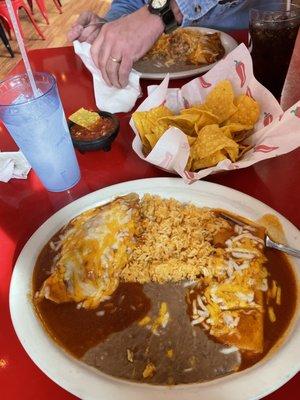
(55, 32)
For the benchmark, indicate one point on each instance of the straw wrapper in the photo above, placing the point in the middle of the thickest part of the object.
(275, 133)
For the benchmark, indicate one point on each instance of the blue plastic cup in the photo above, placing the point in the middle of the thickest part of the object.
(38, 125)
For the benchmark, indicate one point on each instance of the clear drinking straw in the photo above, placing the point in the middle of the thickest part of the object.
(22, 47)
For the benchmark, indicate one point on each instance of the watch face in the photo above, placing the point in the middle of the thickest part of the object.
(157, 4)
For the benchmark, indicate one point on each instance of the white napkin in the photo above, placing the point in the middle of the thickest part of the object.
(109, 98)
(13, 165)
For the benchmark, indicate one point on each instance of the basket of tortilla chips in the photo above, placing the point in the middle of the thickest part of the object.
(223, 120)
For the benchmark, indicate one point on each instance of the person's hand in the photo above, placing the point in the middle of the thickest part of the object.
(84, 29)
(122, 42)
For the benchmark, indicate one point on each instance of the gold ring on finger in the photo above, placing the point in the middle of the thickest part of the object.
(115, 59)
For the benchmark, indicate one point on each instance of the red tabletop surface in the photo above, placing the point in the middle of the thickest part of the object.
(25, 205)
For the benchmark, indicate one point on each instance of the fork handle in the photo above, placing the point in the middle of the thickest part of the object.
(99, 23)
(282, 247)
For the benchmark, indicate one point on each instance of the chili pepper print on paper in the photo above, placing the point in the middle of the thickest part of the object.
(203, 82)
(249, 93)
(268, 118)
(262, 148)
(241, 71)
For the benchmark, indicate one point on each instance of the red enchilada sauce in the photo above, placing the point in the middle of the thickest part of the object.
(77, 330)
(101, 128)
(85, 334)
(281, 271)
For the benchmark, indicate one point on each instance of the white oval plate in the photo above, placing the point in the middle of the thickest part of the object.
(89, 384)
(229, 43)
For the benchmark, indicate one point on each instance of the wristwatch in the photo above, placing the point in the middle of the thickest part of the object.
(162, 8)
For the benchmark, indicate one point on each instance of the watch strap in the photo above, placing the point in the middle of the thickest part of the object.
(166, 15)
(169, 21)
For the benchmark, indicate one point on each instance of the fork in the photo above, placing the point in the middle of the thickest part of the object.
(99, 23)
(268, 241)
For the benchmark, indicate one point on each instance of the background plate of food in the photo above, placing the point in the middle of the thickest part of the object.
(185, 52)
(139, 290)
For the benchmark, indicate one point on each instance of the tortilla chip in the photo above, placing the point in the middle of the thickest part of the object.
(191, 139)
(247, 112)
(211, 146)
(201, 117)
(185, 122)
(192, 110)
(209, 161)
(243, 148)
(237, 127)
(226, 131)
(242, 135)
(85, 118)
(146, 122)
(152, 139)
(142, 128)
(220, 101)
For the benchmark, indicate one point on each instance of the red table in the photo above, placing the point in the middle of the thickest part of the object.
(25, 205)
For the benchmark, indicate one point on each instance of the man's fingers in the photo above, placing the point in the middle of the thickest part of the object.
(95, 49)
(124, 70)
(77, 28)
(84, 18)
(87, 32)
(88, 35)
(112, 69)
(103, 56)
(92, 37)
(74, 33)
(100, 52)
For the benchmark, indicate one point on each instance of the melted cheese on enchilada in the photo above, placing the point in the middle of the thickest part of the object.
(93, 248)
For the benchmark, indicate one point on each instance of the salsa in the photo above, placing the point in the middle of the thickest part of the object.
(101, 128)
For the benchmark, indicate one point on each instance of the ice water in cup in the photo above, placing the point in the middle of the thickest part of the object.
(38, 126)
(273, 30)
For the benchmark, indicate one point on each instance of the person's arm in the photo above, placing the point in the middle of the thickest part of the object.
(193, 11)
(217, 14)
(119, 8)
(85, 29)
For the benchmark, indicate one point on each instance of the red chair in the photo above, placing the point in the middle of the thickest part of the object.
(58, 5)
(5, 40)
(17, 4)
(43, 9)
(6, 27)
